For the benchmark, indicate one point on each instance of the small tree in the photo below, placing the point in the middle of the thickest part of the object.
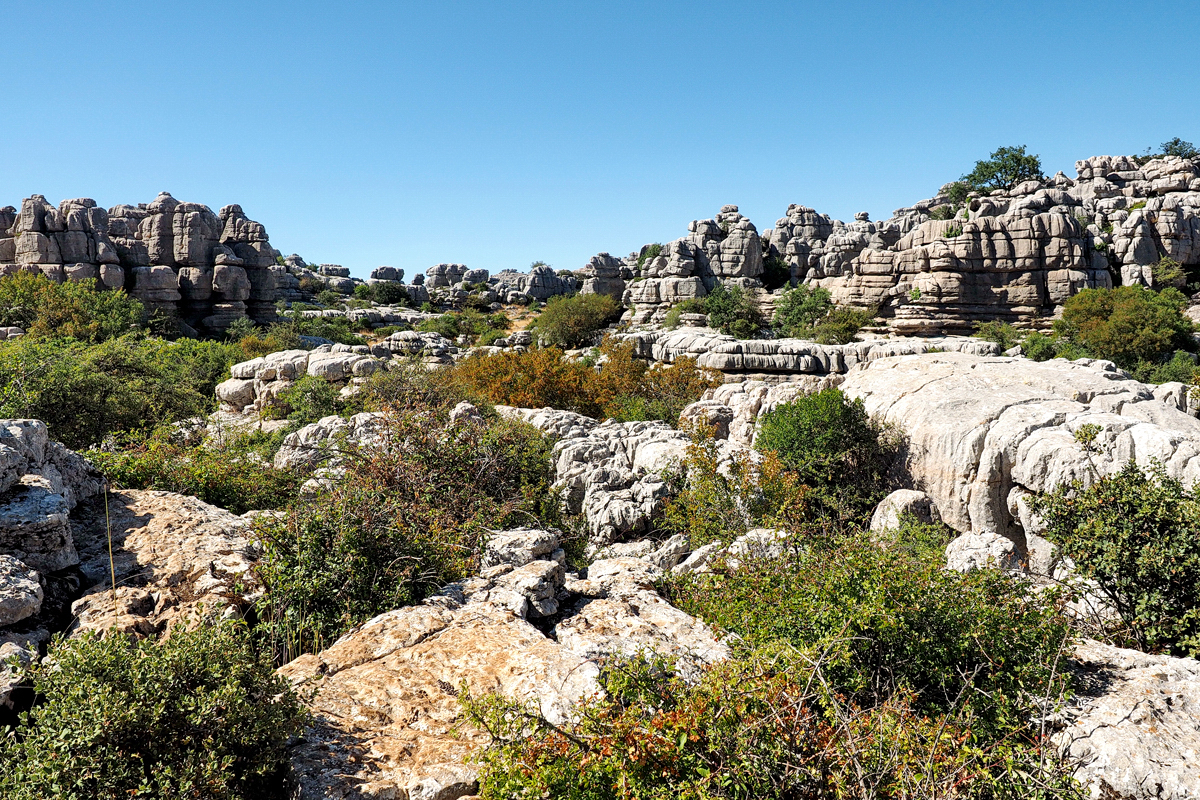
(1134, 533)
(1178, 147)
(574, 321)
(1006, 168)
(1127, 325)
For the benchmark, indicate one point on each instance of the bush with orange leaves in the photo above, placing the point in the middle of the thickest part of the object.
(769, 725)
(622, 387)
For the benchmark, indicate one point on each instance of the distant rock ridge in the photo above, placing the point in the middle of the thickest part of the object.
(180, 259)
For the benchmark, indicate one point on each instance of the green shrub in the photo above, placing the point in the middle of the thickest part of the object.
(942, 212)
(200, 715)
(1135, 535)
(235, 474)
(469, 322)
(651, 253)
(1002, 333)
(409, 516)
(732, 312)
(132, 383)
(901, 621)
(625, 388)
(335, 329)
(861, 672)
(1006, 168)
(952, 231)
(841, 325)
(571, 322)
(776, 272)
(834, 447)
(391, 294)
(958, 193)
(74, 310)
(715, 499)
(1167, 272)
(307, 400)
(800, 309)
(1181, 367)
(1127, 325)
(693, 305)
(329, 298)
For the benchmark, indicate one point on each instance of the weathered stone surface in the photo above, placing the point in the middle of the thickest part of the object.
(164, 252)
(984, 432)
(20, 591)
(387, 721)
(631, 618)
(40, 482)
(323, 442)
(178, 560)
(902, 503)
(726, 354)
(1132, 724)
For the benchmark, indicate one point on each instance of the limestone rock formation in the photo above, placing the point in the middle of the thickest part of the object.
(784, 358)
(180, 259)
(604, 275)
(726, 249)
(1132, 723)
(610, 472)
(177, 559)
(985, 432)
(1017, 255)
(387, 721)
(41, 481)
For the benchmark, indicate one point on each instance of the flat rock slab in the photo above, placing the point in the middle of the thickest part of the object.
(387, 721)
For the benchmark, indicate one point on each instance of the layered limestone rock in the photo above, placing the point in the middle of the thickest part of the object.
(984, 433)
(726, 249)
(784, 358)
(1016, 255)
(1131, 726)
(604, 275)
(41, 481)
(178, 561)
(179, 259)
(387, 721)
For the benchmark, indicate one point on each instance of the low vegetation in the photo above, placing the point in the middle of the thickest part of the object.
(410, 516)
(621, 387)
(860, 671)
(1141, 330)
(71, 310)
(478, 327)
(832, 446)
(808, 312)
(1134, 534)
(574, 321)
(201, 715)
(235, 474)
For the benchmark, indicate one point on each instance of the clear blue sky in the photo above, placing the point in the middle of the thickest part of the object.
(498, 133)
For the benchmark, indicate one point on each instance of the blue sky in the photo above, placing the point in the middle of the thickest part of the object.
(496, 134)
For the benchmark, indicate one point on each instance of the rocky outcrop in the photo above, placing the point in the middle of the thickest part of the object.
(784, 358)
(723, 249)
(386, 717)
(41, 481)
(540, 283)
(604, 275)
(177, 561)
(1014, 255)
(387, 721)
(1131, 725)
(180, 259)
(256, 384)
(985, 432)
(613, 473)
